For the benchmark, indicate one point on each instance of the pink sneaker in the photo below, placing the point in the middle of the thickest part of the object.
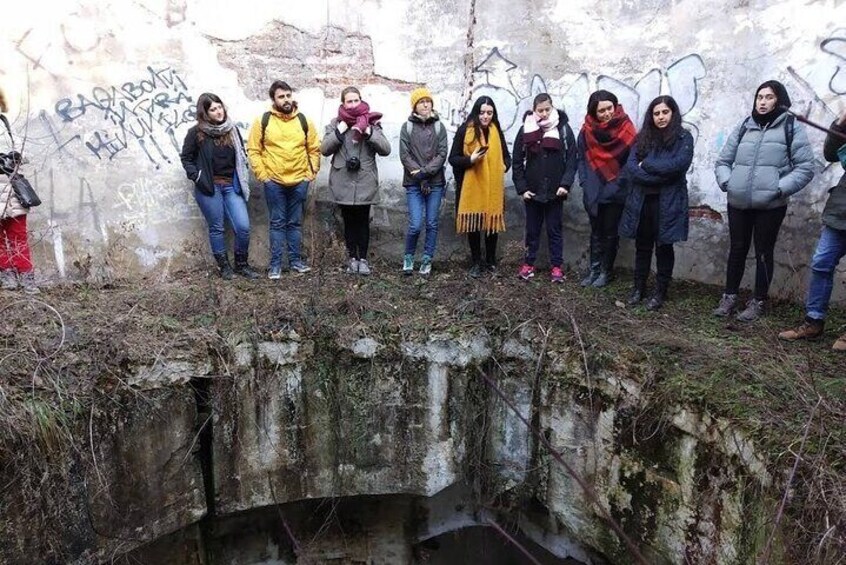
(526, 272)
(557, 275)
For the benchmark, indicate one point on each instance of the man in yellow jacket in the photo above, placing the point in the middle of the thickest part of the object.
(284, 153)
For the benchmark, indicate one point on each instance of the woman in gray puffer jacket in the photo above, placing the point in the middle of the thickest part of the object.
(766, 160)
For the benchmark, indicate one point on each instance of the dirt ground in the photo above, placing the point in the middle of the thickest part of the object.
(75, 340)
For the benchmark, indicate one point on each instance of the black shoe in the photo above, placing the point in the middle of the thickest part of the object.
(226, 272)
(242, 267)
(475, 270)
(636, 296)
(656, 301)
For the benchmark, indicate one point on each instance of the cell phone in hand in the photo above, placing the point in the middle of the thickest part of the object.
(483, 149)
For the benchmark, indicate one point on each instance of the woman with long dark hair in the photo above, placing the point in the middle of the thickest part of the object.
(655, 213)
(480, 159)
(353, 139)
(765, 160)
(544, 169)
(214, 159)
(607, 136)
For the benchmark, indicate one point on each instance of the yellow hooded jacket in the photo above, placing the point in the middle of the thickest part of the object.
(285, 156)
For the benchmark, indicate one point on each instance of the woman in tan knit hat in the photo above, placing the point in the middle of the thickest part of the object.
(423, 152)
(15, 258)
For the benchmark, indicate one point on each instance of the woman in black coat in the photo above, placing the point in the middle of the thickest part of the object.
(214, 159)
(544, 169)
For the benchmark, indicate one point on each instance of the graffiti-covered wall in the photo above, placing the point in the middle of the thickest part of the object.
(102, 93)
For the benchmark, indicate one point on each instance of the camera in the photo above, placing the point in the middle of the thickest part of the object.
(9, 162)
(353, 164)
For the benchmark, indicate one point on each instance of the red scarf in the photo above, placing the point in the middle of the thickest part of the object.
(358, 118)
(607, 144)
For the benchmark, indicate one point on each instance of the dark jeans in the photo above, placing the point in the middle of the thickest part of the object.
(604, 236)
(744, 225)
(225, 204)
(285, 211)
(356, 229)
(647, 240)
(538, 213)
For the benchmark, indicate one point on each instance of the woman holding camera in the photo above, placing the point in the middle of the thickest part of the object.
(15, 258)
(480, 159)
(353, 139)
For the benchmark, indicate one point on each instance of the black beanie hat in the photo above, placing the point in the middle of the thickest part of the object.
(780, 92)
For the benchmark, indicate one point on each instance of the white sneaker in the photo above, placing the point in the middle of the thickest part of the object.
(363, 267)
(352, 267)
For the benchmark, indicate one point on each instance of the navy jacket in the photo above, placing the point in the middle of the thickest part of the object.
(544, 172)
(665, 168)
(595, 190)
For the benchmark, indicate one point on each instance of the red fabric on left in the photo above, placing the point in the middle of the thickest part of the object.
(14, 248)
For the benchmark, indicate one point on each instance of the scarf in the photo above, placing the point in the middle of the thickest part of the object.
(608, 144)
(242, 169)
(482, 203)
(358, 118)
(542, 134)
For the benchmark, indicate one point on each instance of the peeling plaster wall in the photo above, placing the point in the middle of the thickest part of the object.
(104, 91)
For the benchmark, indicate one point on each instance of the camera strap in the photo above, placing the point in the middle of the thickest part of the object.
(344, 148)
(5, 121)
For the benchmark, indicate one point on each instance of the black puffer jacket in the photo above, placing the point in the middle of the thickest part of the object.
(543, 172)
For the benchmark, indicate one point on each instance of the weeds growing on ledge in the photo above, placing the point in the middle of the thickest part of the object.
(77, 343)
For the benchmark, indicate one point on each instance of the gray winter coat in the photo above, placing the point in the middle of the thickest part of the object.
(354, 187)
(423, 147)
(755, 171)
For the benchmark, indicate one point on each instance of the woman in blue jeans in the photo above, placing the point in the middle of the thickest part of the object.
(423, 152)
(214, 159)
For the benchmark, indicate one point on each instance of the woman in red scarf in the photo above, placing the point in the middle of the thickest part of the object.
(603, 147)
(353, 139)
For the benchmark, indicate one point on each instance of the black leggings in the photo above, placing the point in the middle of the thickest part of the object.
(356, 229)
(604, 239)
(744, 226)
(647, 240)
(474, 238)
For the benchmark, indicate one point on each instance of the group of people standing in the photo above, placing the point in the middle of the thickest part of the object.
(633, 183)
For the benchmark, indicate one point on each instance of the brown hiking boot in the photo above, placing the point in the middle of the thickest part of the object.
(810, 329)
(840, 344)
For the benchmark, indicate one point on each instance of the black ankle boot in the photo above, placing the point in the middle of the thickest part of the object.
(637, 294)
(242, 267)
(657, 299)
(225, 268)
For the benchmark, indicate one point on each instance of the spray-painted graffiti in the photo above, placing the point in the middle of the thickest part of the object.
(148, 202)
(496, 79)
(836, 46)
(144, 112)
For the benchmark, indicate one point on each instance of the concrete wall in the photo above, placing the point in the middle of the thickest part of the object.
(103, 92)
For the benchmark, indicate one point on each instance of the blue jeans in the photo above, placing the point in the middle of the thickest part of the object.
(418, 205)
(830, 250)
(285, 209)
(225, 203)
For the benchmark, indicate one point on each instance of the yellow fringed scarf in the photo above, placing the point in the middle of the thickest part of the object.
(482, 202)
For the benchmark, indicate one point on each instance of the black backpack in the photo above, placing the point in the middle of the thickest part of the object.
(265, 119)
(789, 127)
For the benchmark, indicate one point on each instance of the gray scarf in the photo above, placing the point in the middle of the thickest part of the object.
(242, 170)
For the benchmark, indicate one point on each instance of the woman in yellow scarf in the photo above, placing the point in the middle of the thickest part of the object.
(480, 159)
